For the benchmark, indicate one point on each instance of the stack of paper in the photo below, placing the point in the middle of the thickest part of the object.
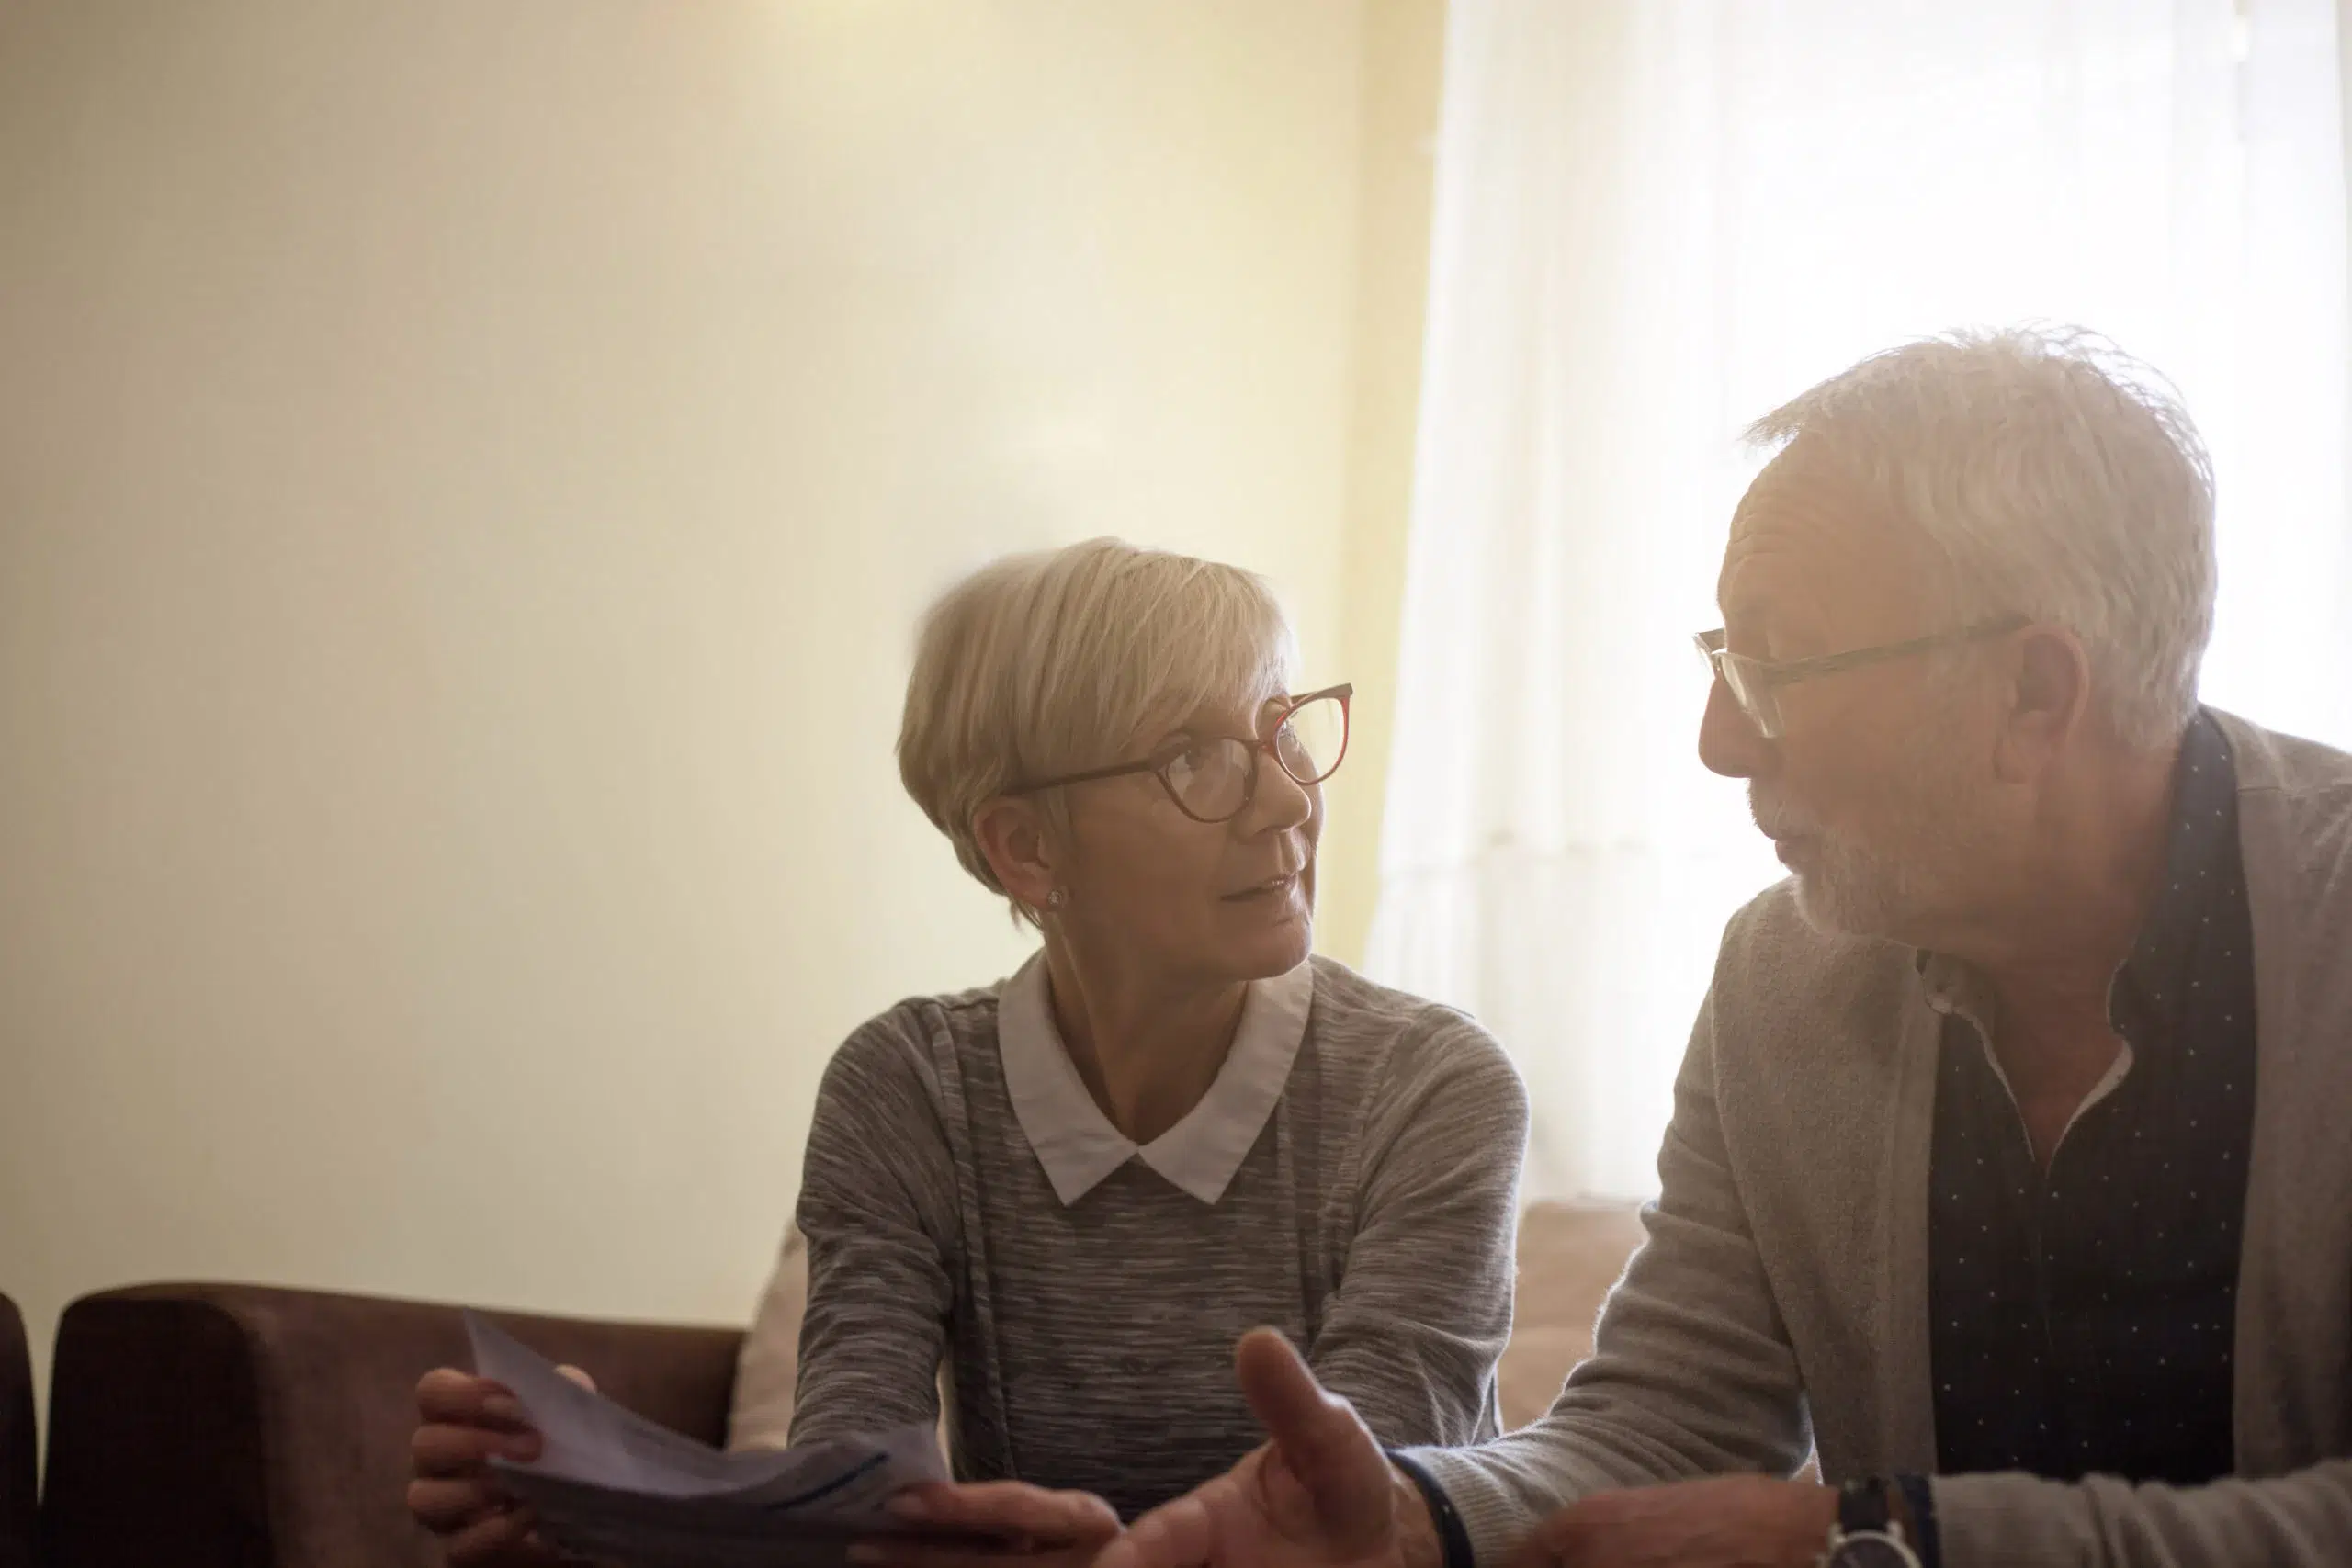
(610, 1485)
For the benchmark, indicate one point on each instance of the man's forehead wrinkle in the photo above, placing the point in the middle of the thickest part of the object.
(1772, 588)
(1780, 517)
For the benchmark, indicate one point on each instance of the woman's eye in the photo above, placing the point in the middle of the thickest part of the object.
(1185, 757)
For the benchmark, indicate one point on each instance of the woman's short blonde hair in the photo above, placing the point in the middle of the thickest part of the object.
(1037, 665)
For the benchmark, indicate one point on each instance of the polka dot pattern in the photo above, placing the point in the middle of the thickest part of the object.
(2082, 1320)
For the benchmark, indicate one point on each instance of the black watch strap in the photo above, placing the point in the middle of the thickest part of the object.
(1861, 1505)
(1453, 1536)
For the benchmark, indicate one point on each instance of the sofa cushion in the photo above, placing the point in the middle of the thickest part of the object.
(1570, 1256)
(767, 1367)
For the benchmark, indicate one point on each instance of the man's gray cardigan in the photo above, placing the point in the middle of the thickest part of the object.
(1780, 1300)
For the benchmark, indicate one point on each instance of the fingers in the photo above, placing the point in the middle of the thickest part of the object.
(499, 1540)
(480, 1525)
(895, 1552)
(1282, 1395)
(1030, 1524)
(1321, 1439)
(1010, 1509)
(1181, 1534)
(444, 1449)
(446, 1394)
(445, 1503)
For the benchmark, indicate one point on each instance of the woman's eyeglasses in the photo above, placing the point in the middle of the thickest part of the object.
(1213, 778)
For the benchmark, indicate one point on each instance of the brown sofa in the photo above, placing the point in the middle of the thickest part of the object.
(235, 1427)
(16, 1477)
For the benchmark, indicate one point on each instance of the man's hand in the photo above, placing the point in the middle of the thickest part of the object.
(1318, 1494)
(1732, 1521)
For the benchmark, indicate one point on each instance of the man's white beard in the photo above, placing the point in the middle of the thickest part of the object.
(1853, 891)
(1858, 889)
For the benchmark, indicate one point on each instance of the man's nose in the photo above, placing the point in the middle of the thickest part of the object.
(1729, 742)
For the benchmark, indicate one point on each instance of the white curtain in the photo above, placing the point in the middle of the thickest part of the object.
(1658, 218)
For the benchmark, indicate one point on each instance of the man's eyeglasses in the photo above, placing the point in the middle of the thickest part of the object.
(1755, 683)
(1213, 778)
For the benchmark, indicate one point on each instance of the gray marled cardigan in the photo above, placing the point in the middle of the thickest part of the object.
(1782, 1293)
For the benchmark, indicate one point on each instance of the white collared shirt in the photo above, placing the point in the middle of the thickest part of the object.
(1076, 1142)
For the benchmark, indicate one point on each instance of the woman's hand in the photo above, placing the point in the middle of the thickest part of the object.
(463, 1421)
(1035, 1528)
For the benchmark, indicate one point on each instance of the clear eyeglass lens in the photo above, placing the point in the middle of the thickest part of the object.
(1211, 778)
(1762, 704)
(1754, 696)
(1312, 740)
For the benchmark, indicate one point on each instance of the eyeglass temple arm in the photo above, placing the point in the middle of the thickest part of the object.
(1117, 770)
(1831, 663)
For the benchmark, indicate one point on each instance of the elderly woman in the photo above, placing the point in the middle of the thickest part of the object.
(1078, 1187)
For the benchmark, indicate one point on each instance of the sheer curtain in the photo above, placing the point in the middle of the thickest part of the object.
(1657, 219)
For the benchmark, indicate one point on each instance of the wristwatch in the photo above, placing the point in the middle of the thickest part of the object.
(1866, 1534)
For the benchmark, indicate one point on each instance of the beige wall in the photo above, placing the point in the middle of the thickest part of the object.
(1404, 50)
(467, 473)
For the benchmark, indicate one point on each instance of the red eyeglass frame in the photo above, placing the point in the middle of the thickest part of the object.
(1259, 745)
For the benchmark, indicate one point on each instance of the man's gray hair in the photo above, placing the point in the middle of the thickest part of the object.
(2054, 476)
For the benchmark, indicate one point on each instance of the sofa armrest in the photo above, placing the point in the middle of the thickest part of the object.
(17, 1445)
(238, 1426)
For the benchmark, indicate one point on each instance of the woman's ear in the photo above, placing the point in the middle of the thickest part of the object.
(1012, 840)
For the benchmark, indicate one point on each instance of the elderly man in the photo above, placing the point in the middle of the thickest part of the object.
(2008, 1168)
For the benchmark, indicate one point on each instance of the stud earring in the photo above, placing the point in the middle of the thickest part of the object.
(1056, 898)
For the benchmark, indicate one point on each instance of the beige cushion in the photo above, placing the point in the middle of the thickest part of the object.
(1570, 1256)
(768, 1368)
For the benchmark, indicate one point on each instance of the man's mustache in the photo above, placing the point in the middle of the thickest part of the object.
(1777, 819)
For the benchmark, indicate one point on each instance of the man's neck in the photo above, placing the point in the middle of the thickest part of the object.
(1148, 1049)
(2049, 946)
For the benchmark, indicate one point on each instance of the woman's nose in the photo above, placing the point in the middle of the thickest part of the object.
(1282, 801)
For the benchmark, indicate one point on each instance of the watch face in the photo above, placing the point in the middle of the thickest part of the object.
(1872, 1550)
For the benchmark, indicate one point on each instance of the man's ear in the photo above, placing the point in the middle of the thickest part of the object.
(1011, 834)
(2049, 697)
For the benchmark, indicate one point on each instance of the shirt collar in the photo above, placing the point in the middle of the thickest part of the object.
(2201, 838)
(1952, 986)
(1076, 1143)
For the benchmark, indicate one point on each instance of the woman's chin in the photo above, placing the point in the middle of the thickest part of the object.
(1280, 946)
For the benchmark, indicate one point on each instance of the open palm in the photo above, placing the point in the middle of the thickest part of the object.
(1318, 1494)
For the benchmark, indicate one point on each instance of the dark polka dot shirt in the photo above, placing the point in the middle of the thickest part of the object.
(2083, 1320)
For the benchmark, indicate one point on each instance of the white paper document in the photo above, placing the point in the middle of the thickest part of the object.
(611, 1485)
